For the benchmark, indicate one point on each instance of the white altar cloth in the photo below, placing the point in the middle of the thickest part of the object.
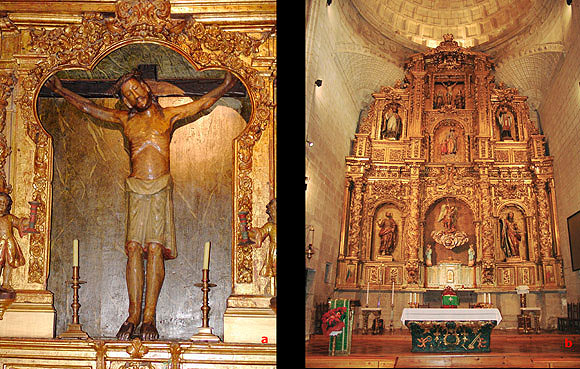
(436, 314)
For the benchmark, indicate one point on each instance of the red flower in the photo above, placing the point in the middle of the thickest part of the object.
(333, 320)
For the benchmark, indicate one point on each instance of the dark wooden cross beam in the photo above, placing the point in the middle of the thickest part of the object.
(91, 88)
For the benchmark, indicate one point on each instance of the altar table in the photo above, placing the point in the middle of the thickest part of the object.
(450, 330)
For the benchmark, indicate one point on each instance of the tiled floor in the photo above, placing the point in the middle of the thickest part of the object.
(508, 349)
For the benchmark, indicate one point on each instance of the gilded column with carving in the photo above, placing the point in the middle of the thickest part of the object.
(356, 213)
(544, 220)
(412, 233)
(487, 262)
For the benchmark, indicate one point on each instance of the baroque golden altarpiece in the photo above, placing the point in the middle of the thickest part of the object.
(449, 184)
(39, 39)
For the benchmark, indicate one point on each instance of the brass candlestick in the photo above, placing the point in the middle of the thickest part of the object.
(75, 329)
(204, 332)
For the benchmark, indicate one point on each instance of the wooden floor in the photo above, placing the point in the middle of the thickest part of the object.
(508, 349)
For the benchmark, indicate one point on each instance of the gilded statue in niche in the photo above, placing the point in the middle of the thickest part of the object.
(387, 234)
(391, 123)
(150, 231)
(511, 235)
(506, 123)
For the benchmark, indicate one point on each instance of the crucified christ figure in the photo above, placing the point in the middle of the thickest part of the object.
(150, 231)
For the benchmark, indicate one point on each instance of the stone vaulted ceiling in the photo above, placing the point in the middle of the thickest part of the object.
(518, 34)
(472, 22)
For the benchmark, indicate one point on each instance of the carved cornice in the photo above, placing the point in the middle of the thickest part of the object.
(83, 45)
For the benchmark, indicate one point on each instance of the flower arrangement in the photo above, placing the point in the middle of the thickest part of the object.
(333, 320)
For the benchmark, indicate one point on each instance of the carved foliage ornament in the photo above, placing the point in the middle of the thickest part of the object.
(81, 45)
(6, 86)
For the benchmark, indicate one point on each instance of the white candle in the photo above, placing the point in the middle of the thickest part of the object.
(76, 253)
(393, 294)
(206, 255)
(367, 293)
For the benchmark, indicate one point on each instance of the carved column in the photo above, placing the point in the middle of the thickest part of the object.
(545, 229)
(482, 139)
(356, 212)
(487, 244)
(6, 85)
(554, 213)
(348, 189)
(412, 230)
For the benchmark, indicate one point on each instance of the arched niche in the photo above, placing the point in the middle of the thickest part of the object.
(506, 125)
(434, 222)
(82, 46)
(392, 122)
(512, 233)
(91, 163)
(384, 216)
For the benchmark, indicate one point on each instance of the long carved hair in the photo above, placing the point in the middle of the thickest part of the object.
(138, 76)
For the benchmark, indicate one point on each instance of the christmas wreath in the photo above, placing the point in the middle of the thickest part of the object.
(333, 320)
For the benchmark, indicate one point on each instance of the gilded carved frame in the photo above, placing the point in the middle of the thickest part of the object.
(83, 45)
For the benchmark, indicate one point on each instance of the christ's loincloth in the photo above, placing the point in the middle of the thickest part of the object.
(150, 214)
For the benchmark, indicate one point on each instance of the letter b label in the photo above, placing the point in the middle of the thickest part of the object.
(567, 342)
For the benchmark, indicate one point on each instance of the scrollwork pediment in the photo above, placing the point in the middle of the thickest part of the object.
(78, 45)
(505, 95)
(385, 190)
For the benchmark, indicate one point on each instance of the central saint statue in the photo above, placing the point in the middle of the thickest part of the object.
(150, 231)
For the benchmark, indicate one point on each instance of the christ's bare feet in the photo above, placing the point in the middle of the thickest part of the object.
(126, 331)
(149, 332)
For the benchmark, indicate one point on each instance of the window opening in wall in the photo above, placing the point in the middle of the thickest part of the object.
(327, 271)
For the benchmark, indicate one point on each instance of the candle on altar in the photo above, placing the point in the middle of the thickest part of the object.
(206, 255)
(75, 253)
(367, 293)
(393, 294)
